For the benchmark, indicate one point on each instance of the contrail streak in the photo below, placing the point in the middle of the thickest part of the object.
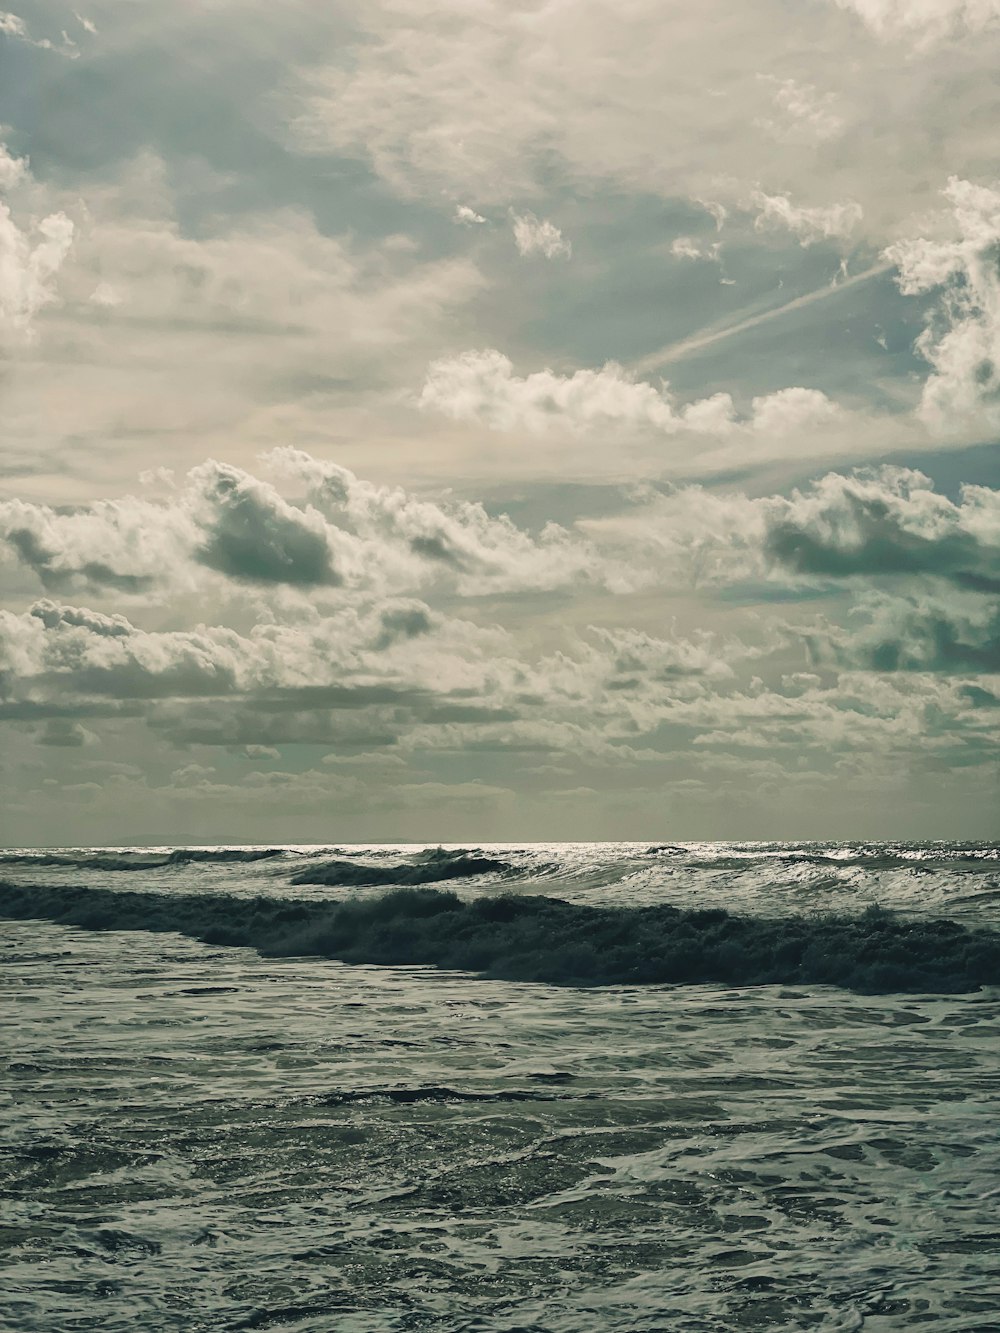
(674, 351)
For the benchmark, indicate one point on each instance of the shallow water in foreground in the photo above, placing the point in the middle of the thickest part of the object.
(202, 1139)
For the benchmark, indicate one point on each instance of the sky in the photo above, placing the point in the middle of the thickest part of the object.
(499, 421)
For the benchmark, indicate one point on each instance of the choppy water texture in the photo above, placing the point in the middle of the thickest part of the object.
(201, 1138)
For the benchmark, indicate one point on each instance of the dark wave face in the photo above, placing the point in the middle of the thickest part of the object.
(181, 856)
(429, 867)
(543, 939)
(960, 881)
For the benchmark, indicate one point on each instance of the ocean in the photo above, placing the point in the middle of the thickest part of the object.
(505, 1089)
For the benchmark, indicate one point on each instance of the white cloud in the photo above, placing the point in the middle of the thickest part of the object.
(535, 236)
(468, 216)
(647, 98)
(832, 222)
(803, 114)
(254, 329)
(29, 262)
(885, 522)
(415, 542)
(11, 25)
(925, 20)
(31, 253)
(962, 338)
(872, 527)
(13, 170)
(348, 535)
(686, 247)
(482, 387)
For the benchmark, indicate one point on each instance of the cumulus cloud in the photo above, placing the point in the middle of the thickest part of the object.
(417, 540)
(962, 338)
(253, 535)
(13, 170)
(31, 254)
(129, 545)
(887, 522)
(923, 634)
(75, 650)
(347, 533)
(468, 216)
(65, 733)
(256, 326)
(482, 387)
(869, 526)
(538, 236)
(361, 677)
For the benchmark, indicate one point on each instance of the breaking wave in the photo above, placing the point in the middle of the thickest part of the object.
(544, 939)
(429, 867)
(88, 860)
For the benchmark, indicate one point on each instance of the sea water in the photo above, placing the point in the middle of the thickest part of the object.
(199, 1137)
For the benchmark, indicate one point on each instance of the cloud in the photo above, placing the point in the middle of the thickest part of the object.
(30, 256)
(65, 733)
(962, 338)
(12, 25)
(217, 338)
(534, 236)
(468, 216)
(686, 247)
(926, 20)
(13, 170)
(253, 535)
(415, 541)
(130, 545)
(886, 522)
(348, 533)
(803, 114)
(71, 650)
(56, 617)
(870, 526)
(923, 634)
(833, 222)
(482, 387)
(612, 102)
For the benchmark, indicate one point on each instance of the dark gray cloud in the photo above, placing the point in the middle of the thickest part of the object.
(54, 616)
(910, 634)
(403, 622)
(45, 561)
(885, 524)
(257, 537)
(62, 732)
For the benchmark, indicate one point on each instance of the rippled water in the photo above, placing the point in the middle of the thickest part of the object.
(203, 1139)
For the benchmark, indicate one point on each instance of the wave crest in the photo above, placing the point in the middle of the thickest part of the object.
(542, 939)
(430, 867)
(141, 860)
